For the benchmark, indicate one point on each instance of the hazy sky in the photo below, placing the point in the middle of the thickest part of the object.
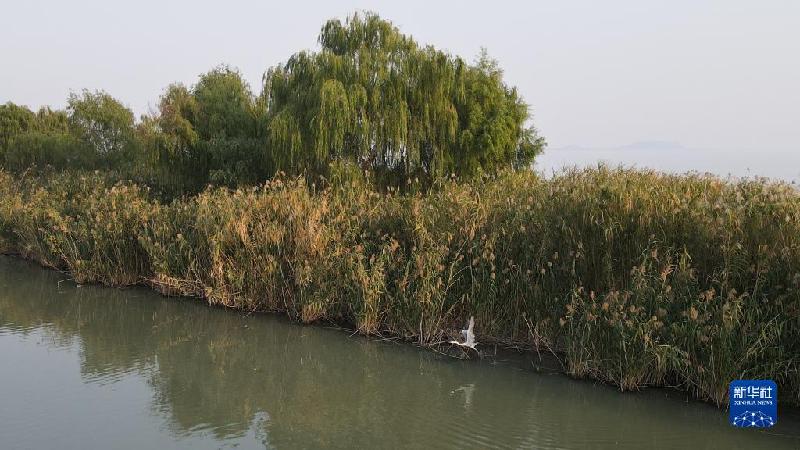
(707, 74)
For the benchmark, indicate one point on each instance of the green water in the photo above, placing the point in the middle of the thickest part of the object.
(90, 367)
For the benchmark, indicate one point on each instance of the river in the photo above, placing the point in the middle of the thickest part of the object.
(87, 367)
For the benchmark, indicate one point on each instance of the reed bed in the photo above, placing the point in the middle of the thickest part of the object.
(631, 277)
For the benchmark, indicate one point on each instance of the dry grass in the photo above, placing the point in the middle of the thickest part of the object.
(637, 278)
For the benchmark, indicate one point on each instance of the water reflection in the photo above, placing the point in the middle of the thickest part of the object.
(167, 372)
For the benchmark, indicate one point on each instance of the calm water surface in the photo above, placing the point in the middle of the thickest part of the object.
(91, 367)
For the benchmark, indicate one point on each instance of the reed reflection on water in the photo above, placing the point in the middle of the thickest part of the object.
(92, 367)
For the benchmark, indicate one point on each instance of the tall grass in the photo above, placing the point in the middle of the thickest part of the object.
(636, 278)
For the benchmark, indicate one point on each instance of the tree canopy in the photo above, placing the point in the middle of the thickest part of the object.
(103, 124)
(370, 97)
(375, 97)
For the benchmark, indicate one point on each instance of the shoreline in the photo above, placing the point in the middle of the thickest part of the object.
(516, 252)
(503, 353)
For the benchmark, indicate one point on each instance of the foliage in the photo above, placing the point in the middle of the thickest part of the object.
(39, 139)
(225, 105)
(634, 278)
(14, 120)
(40, 149)
(208, 134)
(103, 124)
(374, 97)
(370, 97)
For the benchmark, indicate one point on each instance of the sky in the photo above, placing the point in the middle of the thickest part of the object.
(703, 76)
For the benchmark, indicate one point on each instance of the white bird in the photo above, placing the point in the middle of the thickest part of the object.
(468, 335)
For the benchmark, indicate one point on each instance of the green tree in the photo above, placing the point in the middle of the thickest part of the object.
(371, 99)
(14, 120)
(40, 139)
(225, 105)
(374, 97)
(177, 116)
(492, 119)
(40, 149)
(227, 126)
(207, 134)
(103, 124)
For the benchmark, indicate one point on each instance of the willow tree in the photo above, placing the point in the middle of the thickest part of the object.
(209, 133)
(225, 105)
(104, 123)
(14, 120)
(375, 97)
(40, 139)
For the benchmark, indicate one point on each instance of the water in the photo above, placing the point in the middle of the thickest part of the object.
(783, 165)
(90, 367)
